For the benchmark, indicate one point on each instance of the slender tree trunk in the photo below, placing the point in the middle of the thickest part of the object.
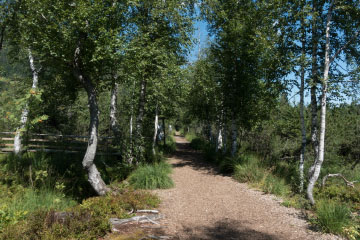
(139, 122)
(94, 177)
(219, 139)
(314, 70)
(317, 165)
(2, 33)
(233, 138)
(25, 112)
(131, 127)
(140, 117)
(156, 124)
(113, 110)
(302, 120)
(163, 123)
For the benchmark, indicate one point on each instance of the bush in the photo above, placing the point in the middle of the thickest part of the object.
(152, 176)
(169, 147)
(89, 220)
(19, 203)
(249, 170)
(332, 216)
(197, 143)
(275, 185)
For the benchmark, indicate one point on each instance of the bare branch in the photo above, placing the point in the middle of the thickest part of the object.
(348, 183)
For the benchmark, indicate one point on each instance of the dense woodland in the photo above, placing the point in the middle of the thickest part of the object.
(272, 99)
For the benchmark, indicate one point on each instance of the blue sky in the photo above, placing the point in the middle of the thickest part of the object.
(200, 36)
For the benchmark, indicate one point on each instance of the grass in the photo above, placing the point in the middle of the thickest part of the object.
(152, 176)
(332, 216)
(17, 204)
(88, 220)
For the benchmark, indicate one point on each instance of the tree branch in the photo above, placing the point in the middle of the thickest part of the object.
(348, 183)
(344, 46)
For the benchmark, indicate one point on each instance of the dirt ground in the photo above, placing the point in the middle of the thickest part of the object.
(207, 205)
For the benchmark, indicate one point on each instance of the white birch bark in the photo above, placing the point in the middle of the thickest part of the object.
(94, 177)
(317, 164)
(113, 110)
(314, 116)
(156, 124)
(302, 120)
(25, 112)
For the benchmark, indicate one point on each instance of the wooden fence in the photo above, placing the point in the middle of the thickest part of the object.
(56, 143)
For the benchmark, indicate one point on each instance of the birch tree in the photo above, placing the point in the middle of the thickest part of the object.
(349, 37)
(25, 111)
(82, 46)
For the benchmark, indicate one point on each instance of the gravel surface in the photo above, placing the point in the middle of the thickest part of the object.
(207, 205)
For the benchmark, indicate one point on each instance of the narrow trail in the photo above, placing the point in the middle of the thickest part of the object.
(206, 205)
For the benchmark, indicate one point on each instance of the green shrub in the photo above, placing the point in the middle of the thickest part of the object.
(169, 147)
(197, 143)
(275, 185)
(152, 176)
(249, 170)
(23, 202)
(332, 216)
(89, 220)
(228, 164)
(190, 136)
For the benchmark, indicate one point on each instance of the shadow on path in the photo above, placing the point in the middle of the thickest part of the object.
(186, 156)
(226, 229)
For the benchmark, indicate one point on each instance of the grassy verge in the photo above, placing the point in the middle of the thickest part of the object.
(335, 202)
(36, 188)
(88, 220)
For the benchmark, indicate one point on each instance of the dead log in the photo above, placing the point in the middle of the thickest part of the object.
(116, 222)
(148, 211)
(347, 182)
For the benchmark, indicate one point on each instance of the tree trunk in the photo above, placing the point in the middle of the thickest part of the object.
(163, 123)
(25, 112)
(156, 124)
(94, 177)
(113, 110)
(233, 138)
(317, 165)
(314, 72)
(219, 139)
(302, 120)
(139, 123)
(141, 110)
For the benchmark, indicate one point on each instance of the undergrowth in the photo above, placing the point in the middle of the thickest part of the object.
(152, 176)
(88, 220)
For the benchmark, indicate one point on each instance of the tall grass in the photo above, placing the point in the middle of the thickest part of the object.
(333, 217)
(152, 176)
(17, 205)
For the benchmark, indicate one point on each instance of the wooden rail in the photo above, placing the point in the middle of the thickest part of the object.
(56, 143)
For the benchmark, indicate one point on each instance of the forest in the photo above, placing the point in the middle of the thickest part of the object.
(92, 94)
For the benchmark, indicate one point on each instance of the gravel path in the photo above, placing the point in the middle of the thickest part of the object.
(206, 205)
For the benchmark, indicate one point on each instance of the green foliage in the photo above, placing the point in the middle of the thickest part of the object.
(197, 143)
(17, 203)
(152, 176)
(89, 220)
(332, 216)
(275, 185)
(249, 170)
(50, 170)
(169, 147)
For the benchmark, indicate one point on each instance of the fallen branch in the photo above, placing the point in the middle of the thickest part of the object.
(347, 182)
(148, 211)
(116, 222)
